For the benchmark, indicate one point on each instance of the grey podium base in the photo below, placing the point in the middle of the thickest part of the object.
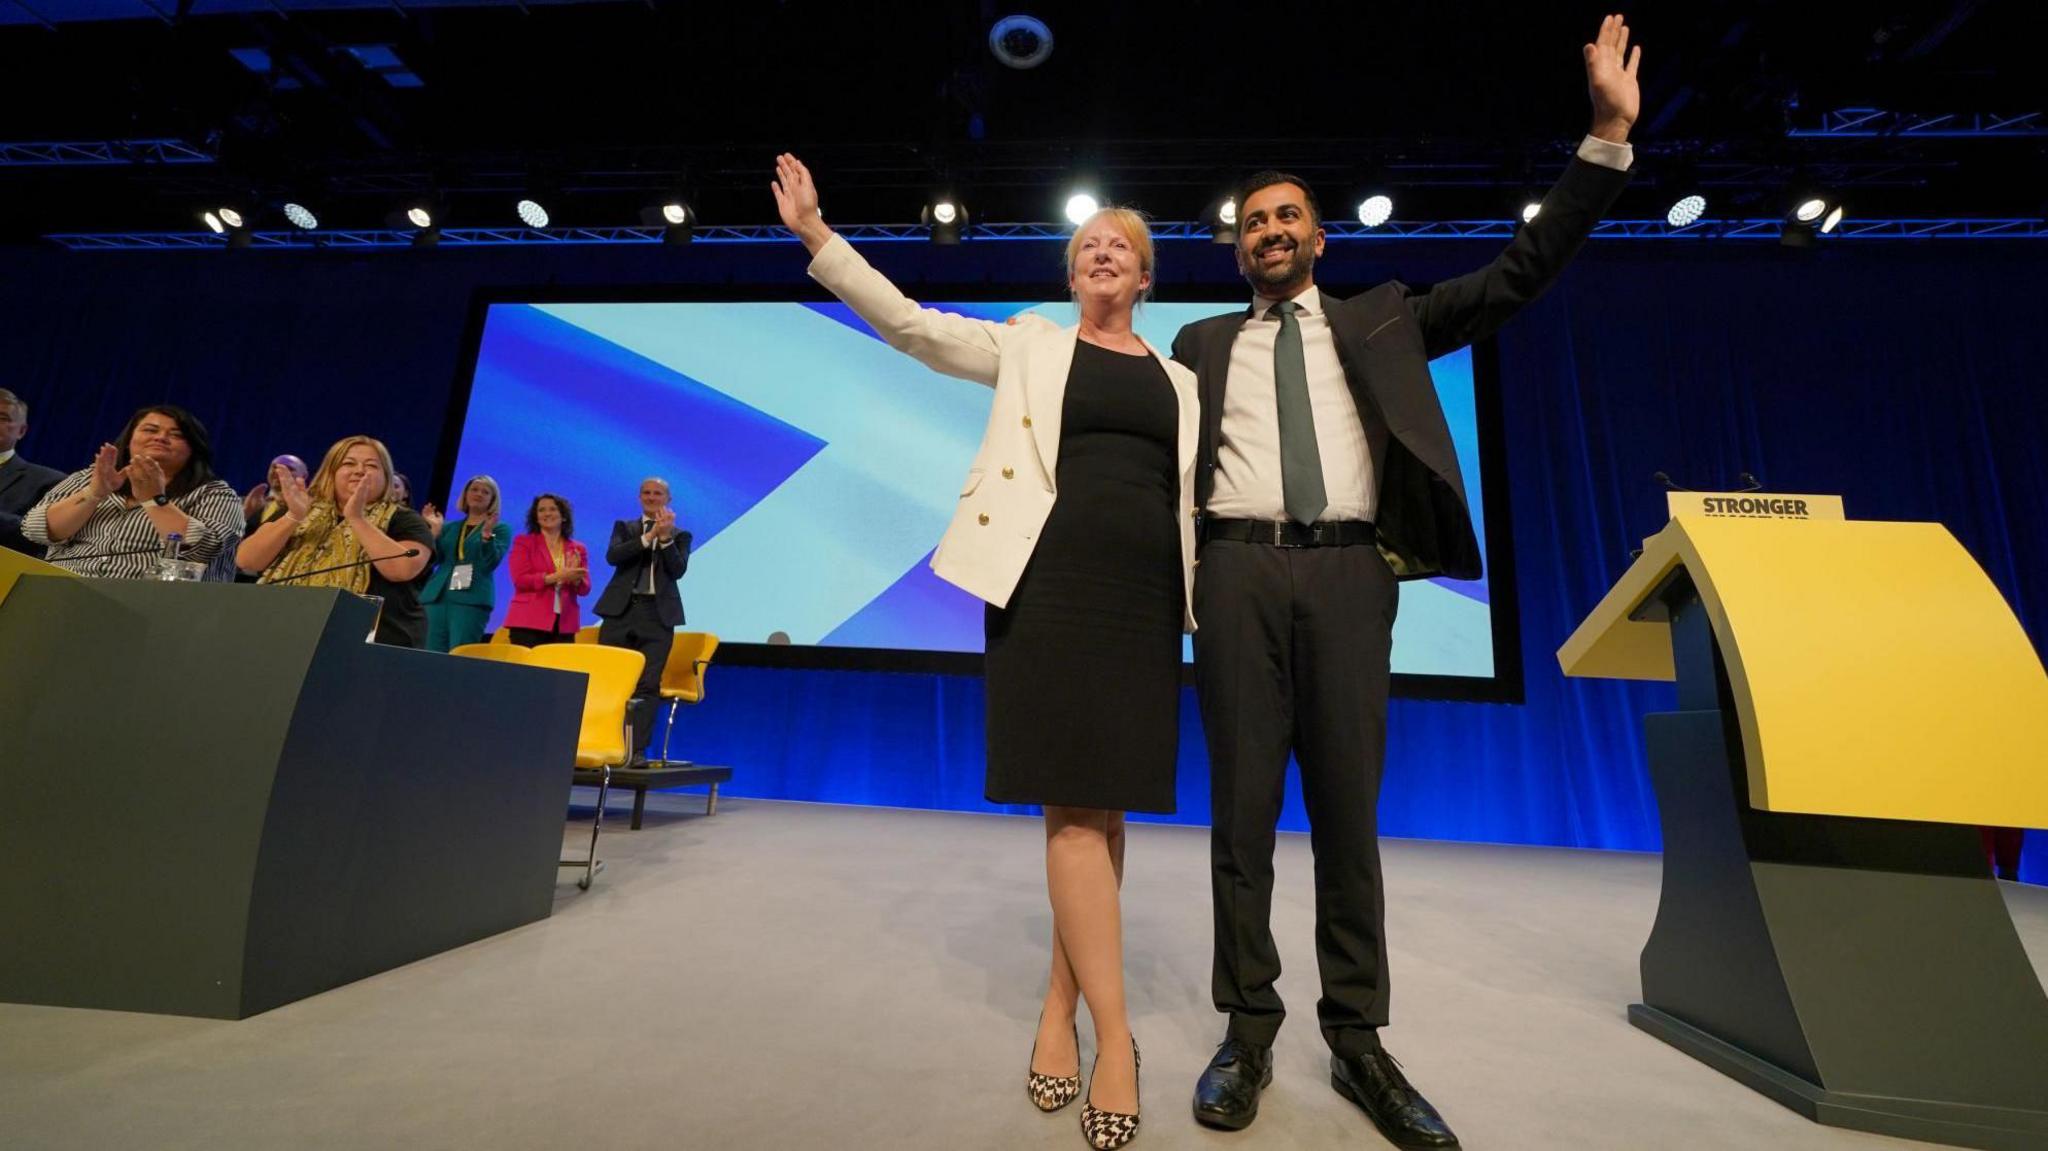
(1956, 1124)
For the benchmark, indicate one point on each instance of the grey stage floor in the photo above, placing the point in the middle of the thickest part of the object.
(784, 975)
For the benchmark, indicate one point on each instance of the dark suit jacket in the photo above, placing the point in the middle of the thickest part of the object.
(21, 485)
(1385, 340)
(629, 563)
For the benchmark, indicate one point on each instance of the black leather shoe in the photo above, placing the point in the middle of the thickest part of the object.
(1376, 1084)
(1227, 1094)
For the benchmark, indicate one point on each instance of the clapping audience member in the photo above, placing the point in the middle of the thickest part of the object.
(265, 501)
(113, 518)
(21, 483)
(344, 531)
(641, 607)
(401, 490)
(467, 551)
(550, 572)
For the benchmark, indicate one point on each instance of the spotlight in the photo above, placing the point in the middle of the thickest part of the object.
(301, 216)
(946, 219)
(532, 214)
(1020, 42)
(419, 217)
(213, 223)
(1686, 210)
(230, 217)
(1080, 206)
(1375, 210)
(1810, 210)
(1222, 221)
(1530, 209)
(677, 220)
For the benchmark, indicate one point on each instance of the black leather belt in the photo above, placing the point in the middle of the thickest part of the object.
(1288, 534)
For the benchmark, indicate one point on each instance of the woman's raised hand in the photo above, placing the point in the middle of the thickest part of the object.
(297, 500)
(796, 198)
(105, 476)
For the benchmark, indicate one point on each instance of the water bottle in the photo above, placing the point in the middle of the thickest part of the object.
(171, 567)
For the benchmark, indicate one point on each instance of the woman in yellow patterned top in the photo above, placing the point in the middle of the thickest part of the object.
(345, 531)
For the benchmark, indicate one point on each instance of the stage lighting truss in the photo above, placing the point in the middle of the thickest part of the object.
(1877, 122)
(99, 153)
(1895, 229)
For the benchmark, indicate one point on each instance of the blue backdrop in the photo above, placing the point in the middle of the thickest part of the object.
(1910, 378)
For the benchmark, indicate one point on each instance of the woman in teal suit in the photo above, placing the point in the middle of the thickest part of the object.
(467, 551)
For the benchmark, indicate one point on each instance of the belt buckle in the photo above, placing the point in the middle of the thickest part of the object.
(1280, 539)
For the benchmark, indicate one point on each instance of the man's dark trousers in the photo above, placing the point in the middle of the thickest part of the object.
(640, 628)
(1292, 653)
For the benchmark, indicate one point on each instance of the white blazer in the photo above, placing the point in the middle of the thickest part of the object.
(1010, 490)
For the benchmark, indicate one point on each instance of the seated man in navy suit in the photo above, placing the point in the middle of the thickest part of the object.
(641, 607)
(21, 483)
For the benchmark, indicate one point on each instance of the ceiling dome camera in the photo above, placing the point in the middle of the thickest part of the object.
(1020, 41)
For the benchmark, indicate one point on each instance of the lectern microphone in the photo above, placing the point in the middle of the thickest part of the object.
(1670, 485)
(406, 554)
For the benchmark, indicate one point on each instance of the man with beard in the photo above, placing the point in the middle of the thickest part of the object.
(1326, 475)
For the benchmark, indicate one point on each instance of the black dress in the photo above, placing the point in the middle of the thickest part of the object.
(1083, 667)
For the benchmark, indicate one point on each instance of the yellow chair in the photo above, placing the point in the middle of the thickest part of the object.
(682, 681)
(605, 741)
(499, 652)
(500, 638)
(587, 633)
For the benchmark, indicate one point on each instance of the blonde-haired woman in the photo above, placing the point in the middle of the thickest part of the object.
(1075, 526)
(344, 531)
(467, 551)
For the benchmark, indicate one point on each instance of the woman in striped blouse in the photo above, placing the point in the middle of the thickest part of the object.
(110, 520)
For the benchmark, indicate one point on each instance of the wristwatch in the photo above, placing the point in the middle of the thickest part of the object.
(161, 499)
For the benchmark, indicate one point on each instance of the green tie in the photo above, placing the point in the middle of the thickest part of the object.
(1301, 465)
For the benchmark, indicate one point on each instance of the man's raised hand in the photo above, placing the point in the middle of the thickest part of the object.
(1611, 80)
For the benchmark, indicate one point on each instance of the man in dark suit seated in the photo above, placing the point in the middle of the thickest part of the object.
(21, 483)
(641, 607)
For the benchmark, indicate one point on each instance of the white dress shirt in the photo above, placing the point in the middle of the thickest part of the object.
(1248, 453)
(1248, 450)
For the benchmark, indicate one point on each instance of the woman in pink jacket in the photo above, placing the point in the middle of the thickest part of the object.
(550, 572)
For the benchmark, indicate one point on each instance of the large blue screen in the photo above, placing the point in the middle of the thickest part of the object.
(815, 466)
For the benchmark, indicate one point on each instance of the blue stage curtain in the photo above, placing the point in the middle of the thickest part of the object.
(1909, 378)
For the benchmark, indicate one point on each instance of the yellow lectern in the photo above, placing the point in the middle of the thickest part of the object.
(14, 565)
(1855, 698)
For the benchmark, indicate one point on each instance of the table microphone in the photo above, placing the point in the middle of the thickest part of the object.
(151, 550)
(406, 554)
(1670, 485)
